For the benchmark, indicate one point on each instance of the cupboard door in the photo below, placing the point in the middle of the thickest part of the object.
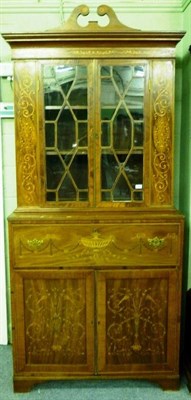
(53, 316)
(137, 321)
(122, 112)
(67, 132)
(133, 154)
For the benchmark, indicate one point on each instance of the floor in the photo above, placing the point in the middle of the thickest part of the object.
(84, 390)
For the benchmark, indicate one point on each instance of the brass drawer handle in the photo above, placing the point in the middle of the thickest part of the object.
(35, 244)
(156, 242)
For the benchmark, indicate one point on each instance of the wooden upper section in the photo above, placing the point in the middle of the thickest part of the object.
(94, 42)
(113, 32)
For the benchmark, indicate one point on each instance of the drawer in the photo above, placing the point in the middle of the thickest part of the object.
(103, 245)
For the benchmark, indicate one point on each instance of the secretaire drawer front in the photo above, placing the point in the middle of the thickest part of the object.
(99, 245)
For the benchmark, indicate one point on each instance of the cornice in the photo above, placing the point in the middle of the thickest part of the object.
(56, 6)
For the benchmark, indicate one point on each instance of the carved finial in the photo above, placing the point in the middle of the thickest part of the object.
(114, 24)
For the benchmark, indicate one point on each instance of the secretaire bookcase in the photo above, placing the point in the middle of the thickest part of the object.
(95, 242)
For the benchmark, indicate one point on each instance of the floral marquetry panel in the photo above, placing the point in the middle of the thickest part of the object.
(26, 89)
(162, 128)
(136, 327)
(57, 319)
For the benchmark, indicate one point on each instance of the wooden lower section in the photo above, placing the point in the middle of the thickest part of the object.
(96, 299)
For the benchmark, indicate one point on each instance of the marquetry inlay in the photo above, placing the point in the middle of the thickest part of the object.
(162, 132)
(136, 327)
(25, 89)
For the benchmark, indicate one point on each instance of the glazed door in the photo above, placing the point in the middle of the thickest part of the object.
(95, 132)
(137, 321)
(68, 120)
(53, 321)
(122, 112)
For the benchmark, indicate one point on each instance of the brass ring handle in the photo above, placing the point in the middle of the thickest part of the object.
(35, 244)
(156, 242)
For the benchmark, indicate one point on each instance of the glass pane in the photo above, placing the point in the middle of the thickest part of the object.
(66, 132)
(67, 177)
(55, 169)
(106, 134)
(109, 170)
(138, 195)
(134, 170)
(121, 190)
(50, 134)
(82, 134)
(77, 96)
(138, 134)
(122, 77)
(78, 170)
(67, 190)
(122, 133)
(122, 128)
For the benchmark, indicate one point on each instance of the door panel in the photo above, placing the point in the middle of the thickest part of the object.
(54, 321)
(137, 330)
(123, 129)
(67, 127)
